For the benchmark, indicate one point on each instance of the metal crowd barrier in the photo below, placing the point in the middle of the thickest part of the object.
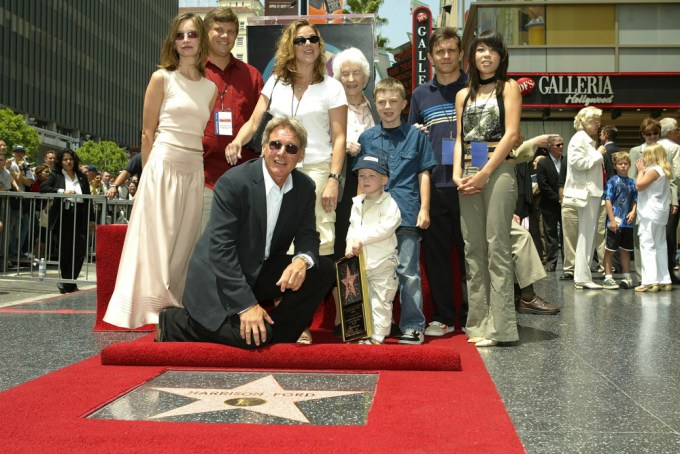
(26, 215)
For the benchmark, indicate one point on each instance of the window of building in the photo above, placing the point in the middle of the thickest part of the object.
(570, 25)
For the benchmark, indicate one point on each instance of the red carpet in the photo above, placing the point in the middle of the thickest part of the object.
(433, 356)
(413, 411)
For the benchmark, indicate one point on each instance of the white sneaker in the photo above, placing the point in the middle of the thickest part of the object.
(437, 329)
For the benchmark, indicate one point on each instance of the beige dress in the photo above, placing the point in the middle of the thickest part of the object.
(166, 218)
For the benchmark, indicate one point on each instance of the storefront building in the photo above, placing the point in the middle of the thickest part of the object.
(620, 56)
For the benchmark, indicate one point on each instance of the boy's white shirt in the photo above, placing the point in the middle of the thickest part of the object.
(375, 229)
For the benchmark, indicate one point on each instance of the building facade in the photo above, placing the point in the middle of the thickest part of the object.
(619, 55)
(80, 68)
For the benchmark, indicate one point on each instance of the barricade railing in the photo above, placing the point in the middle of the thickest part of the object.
(31, 231)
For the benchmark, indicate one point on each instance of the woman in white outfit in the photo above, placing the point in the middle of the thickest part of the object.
(166, 218)
(585, 171)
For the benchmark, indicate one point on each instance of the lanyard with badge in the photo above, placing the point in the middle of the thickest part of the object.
(448, 143)
(224, 122)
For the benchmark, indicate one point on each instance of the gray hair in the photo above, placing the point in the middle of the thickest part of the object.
(289, 123)
(586, 116)
(667, 125)
(351, 55)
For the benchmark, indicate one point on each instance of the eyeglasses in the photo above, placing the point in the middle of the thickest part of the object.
(558, 145)
(290, 148)
(300, 40)
(650, 134)
(186, 35)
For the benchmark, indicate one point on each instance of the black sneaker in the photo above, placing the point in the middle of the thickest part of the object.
(412, 336)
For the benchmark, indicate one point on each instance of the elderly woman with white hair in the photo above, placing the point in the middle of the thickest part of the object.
(583, 188)
(352, 69)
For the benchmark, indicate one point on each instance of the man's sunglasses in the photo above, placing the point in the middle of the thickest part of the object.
(290, 148)
(300, 40)
(189, 35)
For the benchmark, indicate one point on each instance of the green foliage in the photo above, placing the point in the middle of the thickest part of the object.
(15, 131)
(105, 155)
(369, 7)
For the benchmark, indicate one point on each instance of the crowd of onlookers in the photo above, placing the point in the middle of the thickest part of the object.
(555, 226)
(24, 222)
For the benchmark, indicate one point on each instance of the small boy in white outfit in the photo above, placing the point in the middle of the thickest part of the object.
(374, 220)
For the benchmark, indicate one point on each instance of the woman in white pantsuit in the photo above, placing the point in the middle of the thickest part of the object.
(585, 171)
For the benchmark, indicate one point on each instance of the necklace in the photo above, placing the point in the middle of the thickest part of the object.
(488, 81)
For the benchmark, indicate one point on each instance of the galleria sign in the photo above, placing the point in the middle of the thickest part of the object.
(606, 90)
(584, 90)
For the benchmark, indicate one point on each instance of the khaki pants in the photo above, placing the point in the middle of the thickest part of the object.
(525, 258)
(207, 206)
(325, 222)
(486, 220)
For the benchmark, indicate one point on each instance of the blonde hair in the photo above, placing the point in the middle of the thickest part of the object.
(620, 156)
(285, 68)
(656, 154)
(586, 116)
(389, 84)
(169, 55)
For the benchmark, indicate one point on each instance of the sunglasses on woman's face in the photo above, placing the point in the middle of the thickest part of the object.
(290, 148)
(300, 40)
(188, 35)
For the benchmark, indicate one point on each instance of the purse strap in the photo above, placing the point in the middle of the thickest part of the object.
(272, 96)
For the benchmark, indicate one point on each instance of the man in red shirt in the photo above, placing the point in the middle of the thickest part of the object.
(238, 87)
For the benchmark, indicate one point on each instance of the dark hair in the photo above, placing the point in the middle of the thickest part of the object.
(611, 132)
(60, 155)
(494, 40)
(220, 14)
(442, 34)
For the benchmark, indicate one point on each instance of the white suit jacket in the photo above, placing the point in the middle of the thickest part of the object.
(584, 165)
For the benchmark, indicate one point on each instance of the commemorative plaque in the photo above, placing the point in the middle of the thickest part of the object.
(355, 306)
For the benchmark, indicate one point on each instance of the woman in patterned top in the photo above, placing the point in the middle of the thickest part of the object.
(488, 126)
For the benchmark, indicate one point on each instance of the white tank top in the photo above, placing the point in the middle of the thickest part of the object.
(185, 110)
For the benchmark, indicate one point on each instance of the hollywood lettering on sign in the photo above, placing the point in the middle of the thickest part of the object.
(615, 90)
(422, 29)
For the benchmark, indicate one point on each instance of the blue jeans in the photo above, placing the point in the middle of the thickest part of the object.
(408, 272)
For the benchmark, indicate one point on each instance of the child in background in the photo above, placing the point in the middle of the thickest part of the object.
(373, 221)
(621, 203)
(654, 201)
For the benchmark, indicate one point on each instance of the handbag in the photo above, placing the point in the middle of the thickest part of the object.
(575, 197)
(255, 143)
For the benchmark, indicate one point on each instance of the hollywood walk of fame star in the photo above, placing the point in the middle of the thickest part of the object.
(263, 395)
(348, 282)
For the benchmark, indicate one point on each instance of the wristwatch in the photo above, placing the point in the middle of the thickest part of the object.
(336, 176)
(305, 258)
